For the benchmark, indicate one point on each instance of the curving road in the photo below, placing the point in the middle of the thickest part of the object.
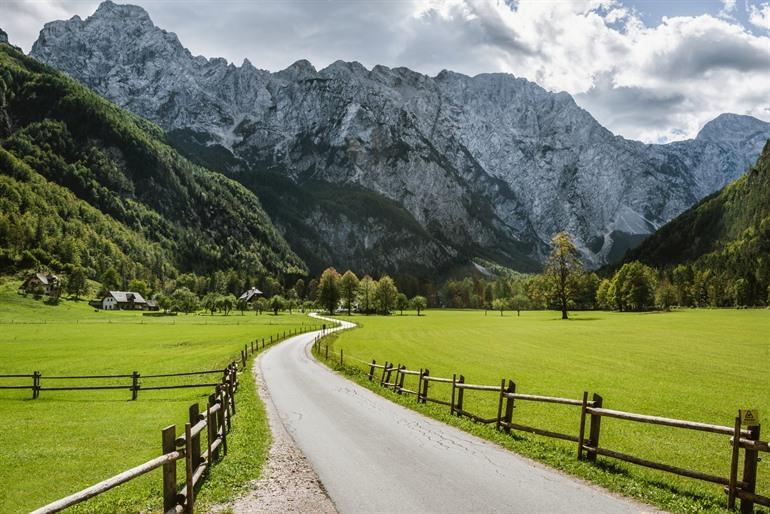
(373, 455)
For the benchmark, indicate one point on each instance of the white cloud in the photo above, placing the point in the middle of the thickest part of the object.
(645, 82)
(728, 7)
(759, 16)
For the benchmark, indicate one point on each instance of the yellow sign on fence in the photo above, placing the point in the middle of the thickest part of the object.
(750, 417)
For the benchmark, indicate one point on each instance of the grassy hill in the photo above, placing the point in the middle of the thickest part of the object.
(83, 182)
(727, 233)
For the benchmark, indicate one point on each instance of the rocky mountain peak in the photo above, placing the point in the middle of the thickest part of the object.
(299, 70)
(124, 12)
(3, 37)
(445, 167)
(734, 128)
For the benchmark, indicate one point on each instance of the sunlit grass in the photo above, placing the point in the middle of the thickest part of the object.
(699, 365)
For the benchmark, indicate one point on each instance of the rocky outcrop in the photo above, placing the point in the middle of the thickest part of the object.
(442, 168)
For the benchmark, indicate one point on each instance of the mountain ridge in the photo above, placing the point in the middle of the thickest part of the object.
(487, 166)
(157, 214)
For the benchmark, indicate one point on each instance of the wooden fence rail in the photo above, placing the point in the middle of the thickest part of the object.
(591, 413)
(214, 421)
(135, 385)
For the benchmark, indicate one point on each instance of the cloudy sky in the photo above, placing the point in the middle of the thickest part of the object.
(654, 70)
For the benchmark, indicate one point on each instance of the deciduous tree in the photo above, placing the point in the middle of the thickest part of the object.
(329, 289)
(385, 294)
(419, 303)
(562, 265)
(349, 289)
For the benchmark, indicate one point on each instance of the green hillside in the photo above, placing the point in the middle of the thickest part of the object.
(83, 182)
(726, 234)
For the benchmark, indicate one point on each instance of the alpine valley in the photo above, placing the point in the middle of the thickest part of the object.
(392, 170)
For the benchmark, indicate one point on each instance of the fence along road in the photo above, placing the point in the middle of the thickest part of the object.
(373, 455)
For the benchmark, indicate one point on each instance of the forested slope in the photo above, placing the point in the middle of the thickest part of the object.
(83, 182)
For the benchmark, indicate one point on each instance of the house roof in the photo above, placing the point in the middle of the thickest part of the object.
(127, 296)
(46, 278)
(251, 293)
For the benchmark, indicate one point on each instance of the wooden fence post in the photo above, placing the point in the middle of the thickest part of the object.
(168, 438)
(263, 343)
(509, 405)
(731, 488)
(750, 472)
(371, 370)
(582, 429)
(460, 394)
(425, 383)
(210, 435)
(231, 396)
(384, 369)
(35, 384)
(342, 359)
(454, 388)
(390, 373)
(500, 403)
(194, 414)
(401, 379)
(134, 385)
(327, 352)
(252, 347)
(221, 422)
(419, 385)
(595, 429)
(189, 470)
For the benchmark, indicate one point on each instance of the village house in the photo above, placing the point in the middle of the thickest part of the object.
(120, 300)
(250, 295)
(42, 283)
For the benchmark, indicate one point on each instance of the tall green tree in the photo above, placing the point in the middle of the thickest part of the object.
(349, 289)
(137, 285)
(276, 303)
(329, 289)
(634, 287)
(402, 302)
(227, 302)
(77, 283)
(110, 279)
(419, 303)
(562, 266)
(385, 294)
(500, 304)
(366, 288)
(211, 302)
(185, 300)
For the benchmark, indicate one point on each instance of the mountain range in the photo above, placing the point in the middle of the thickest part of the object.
(391, 170)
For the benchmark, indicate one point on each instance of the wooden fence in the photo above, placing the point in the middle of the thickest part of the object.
(588, 414)
(198, 453)
(133, 381)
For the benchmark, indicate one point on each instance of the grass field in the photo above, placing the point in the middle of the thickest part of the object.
(700, 365)
(64, 441)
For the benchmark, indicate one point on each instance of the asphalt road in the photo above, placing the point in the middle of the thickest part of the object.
(375, 456)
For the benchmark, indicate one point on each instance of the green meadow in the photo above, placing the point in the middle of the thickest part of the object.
(65, 441)
(700, 365)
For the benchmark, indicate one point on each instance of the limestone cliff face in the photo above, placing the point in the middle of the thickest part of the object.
(386, 168)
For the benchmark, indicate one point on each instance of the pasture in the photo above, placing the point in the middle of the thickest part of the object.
(699, 365)
(64, 441)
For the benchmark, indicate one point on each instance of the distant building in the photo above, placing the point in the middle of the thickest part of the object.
(42, 283)
(250, 295)
(152, 305)
(121, 300)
